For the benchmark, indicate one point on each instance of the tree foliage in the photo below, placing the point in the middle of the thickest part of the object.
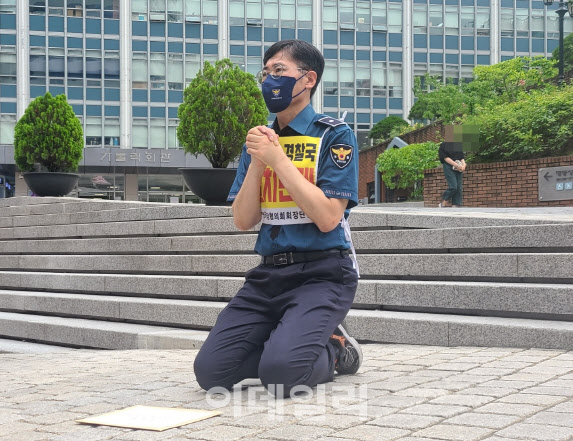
(492, 85)
(382, 129)
(49, 133)
(538, 125)
(443, 101)
(567, 53)
(220, 105)
(404, 167)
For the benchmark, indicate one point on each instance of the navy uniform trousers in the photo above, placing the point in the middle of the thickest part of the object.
(277, 327)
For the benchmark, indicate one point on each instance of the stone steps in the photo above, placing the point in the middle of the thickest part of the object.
(482, 267)
(142, 275)
(78, 332)
(376, 326)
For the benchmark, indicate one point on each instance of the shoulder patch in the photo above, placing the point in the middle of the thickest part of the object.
(341, 154)
(332, 122)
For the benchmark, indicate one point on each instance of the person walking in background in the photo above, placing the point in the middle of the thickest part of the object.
(452, 157)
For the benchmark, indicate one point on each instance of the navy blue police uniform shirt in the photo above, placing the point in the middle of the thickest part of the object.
(336, 177)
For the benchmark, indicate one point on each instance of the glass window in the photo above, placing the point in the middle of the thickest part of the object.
(37, 6)
(192, 66)
(329, 15)
(157, 133)
(157, 10)
(395, 18)
(139, 10)
(7, 125)
(395, 81)
(347, 74)
(209, 11)
(139, 133)
(111, 132)
(193, 11)
(363, 78)
(157, 70)
(330, 77)
(93, 8)
(175, 71)
(379, 79)
(420, 21)
(56, 7)
(111, 65)
(139, 71)
(175, 10)
(172, 141)
(75, 8)
(111, 9)
(93, 131)
(8, 66)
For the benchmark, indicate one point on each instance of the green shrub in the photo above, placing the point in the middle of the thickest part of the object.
(382, 129)
(49, 133)
(538, 125)
(219, 107)
(404, 167)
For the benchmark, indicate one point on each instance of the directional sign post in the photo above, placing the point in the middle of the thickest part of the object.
(555, 183)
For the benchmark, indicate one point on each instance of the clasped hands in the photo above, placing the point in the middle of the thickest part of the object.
(264, 147)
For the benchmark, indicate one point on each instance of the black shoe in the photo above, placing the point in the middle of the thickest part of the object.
(350, 354)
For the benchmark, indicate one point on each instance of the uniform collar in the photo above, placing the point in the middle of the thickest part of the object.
(301, 122)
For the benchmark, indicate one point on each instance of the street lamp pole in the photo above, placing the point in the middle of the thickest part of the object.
(564, 6)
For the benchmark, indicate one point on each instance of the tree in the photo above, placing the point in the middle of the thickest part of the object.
(50, 134)
(383, 128)
(492, 85)
(443, 101)
(567, 53)
(509, 80)
(220, 105)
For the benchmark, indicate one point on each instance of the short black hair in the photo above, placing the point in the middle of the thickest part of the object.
(304, 54)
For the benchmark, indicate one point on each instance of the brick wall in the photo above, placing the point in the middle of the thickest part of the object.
(367, 157)
(500, 184)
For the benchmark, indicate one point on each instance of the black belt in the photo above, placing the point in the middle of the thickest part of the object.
(299, 257)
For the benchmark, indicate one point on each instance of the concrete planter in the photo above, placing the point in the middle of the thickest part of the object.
(51, 183)
(210, 184)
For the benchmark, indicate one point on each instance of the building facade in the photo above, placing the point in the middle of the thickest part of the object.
(123, 64)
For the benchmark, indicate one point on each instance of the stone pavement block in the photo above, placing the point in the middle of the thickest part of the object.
(462, 400)
(487, 420)
(372, 433)
(537, 432)
(369, 410)
(226, 433)
(521, 410)
(566, 407)
(525, 397)
(396, 401)
(334, 421)
(568, 392)
(551, 418)
(454, 433)
(405, 421)
(26, 436)
(440, 410)
(295, 433)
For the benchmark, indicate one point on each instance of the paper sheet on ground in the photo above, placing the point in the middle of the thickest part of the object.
(150, 418)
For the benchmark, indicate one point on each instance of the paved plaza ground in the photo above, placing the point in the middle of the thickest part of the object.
(402, 392)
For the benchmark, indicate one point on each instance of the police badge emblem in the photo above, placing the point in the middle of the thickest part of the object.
(341, 154)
